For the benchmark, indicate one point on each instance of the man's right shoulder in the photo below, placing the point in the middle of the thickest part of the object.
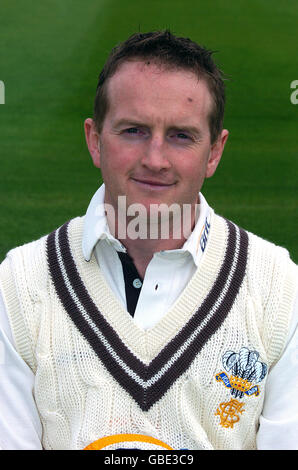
(32, 255)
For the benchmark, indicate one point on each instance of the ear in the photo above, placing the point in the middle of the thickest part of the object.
(92, 139)
(216, 152)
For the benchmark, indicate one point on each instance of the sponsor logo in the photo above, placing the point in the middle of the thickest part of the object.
(204, 237)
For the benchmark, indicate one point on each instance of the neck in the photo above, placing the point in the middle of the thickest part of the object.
(142, 251)
(142, 239)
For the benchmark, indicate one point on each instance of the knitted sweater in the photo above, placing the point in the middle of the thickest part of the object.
(196, 380)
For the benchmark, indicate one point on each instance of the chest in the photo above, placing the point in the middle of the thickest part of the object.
(215, 394)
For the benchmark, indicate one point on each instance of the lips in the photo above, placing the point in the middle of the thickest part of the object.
(152, 183)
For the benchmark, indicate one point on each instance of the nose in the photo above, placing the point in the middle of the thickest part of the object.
(155, 157)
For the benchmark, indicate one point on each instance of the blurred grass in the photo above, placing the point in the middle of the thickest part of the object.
(51, 53)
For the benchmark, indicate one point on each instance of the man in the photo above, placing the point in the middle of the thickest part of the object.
(132, 339)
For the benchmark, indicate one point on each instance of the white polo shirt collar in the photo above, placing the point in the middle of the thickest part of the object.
(96, 229)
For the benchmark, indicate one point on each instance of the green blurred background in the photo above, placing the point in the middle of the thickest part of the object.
(51, 53)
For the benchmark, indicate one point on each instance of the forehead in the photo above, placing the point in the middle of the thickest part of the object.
(144, 87)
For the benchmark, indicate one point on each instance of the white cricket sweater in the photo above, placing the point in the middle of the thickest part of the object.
(195, 380)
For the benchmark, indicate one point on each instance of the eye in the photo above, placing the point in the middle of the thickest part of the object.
(181, 135)
(131, 130)
(135, 131)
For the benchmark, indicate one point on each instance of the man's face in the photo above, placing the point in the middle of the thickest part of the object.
(155, 146)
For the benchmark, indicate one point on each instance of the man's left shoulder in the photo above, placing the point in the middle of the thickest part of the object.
(267, 257)
(263, 254)
(267, 249)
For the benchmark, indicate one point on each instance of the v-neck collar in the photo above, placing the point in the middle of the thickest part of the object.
(147, 363)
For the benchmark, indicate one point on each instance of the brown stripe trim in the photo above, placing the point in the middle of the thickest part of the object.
(83, 326)
(145, 397)
(155, 392)
(206, 306)
(98, 319)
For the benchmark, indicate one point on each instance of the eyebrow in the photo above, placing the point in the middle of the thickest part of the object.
(130, 123)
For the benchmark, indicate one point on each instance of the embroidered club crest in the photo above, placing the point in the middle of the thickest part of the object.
(245, 371)
(228, 413)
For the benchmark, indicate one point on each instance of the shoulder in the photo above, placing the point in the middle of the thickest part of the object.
(262, 252)
(39, 244)
(29, 261)
(270, 287)
(269, 259)
(270, 272)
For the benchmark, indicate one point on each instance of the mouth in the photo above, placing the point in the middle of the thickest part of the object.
(153, 185)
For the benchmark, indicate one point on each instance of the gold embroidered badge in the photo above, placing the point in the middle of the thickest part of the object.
(228, 413)
(246, 369)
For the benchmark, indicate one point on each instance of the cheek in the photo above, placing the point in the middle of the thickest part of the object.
(116, 159)
(192, 174)
(192, 171)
